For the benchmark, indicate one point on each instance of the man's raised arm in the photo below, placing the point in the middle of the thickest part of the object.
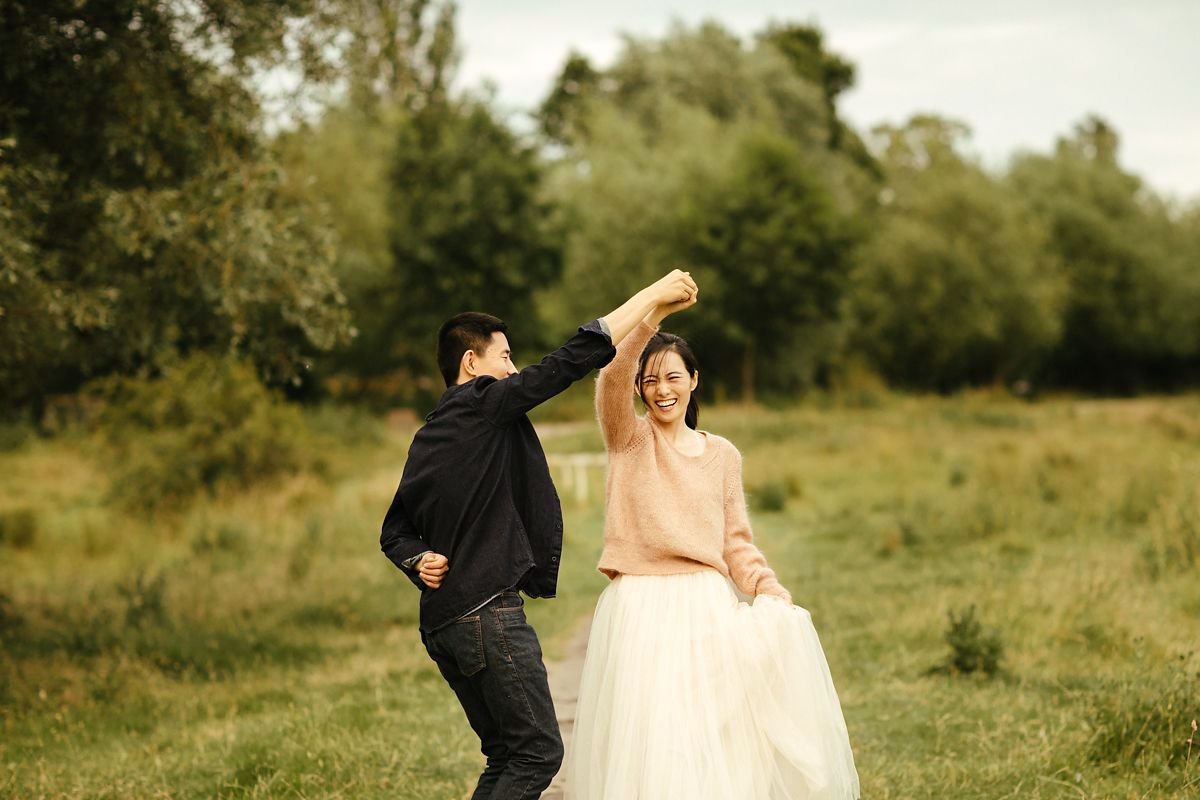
(589, 349)
(675, 287)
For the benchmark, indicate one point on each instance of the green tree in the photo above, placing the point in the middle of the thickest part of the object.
(469, 229)
(399, 54)
(1132, 316)
(698, 150)
(148, 219)
(952, 286)
(772, 251)
(804, 48)
(400, 61)
(562, 114)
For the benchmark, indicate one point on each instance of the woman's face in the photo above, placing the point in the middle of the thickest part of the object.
(666, 386)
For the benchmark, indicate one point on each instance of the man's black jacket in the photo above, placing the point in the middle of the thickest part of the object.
(476, 487)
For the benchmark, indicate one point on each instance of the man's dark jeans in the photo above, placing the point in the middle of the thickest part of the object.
(493, 661)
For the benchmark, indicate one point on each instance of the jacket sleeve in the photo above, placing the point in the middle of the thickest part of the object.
(747, 565)
(400, 542)
(619, 423)
(503, 401)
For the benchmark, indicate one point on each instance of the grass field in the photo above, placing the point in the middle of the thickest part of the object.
(257, 644)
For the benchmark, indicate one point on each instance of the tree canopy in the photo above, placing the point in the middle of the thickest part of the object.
(147, 217)
(154, 204)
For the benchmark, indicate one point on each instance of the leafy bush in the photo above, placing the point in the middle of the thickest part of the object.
(14, 434)
(205, 424)
(972, 649)
(770, 496)
(18, 528)
(226, 537)
(144, 600)
(9, 619)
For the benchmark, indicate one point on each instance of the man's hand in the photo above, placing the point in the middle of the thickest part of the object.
(675, 287)
(670, 287)
(432, 569)
(655, 317)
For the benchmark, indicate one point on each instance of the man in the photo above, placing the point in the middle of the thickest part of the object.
(476, 519)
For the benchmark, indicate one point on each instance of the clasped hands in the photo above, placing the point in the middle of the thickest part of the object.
(675, 291)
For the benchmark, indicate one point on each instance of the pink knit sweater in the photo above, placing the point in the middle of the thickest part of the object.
(666, 512)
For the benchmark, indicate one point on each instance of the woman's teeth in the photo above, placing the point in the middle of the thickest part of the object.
(664, 404)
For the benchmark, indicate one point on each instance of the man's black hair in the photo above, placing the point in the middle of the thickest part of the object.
(470, 330)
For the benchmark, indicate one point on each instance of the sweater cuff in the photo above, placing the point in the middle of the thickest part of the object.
(774, 588)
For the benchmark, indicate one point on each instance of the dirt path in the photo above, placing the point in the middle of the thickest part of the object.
(564, 686)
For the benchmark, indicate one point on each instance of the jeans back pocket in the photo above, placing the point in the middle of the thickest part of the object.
(462, 642)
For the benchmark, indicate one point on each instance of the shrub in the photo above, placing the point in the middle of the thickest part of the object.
(10, 620)
(18, 528)
(972, 649)
(226, 537)
(770, 496)
(14, 434)
(144, 600)
(1141, 497)
(205, 424)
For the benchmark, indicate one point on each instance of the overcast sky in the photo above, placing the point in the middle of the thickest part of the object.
(1020, 73)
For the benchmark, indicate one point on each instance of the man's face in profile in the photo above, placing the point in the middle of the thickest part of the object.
(496, 360)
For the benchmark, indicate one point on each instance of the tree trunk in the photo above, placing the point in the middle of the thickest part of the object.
(748, 373)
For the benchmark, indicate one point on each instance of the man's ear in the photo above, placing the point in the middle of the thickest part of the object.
(469, 364)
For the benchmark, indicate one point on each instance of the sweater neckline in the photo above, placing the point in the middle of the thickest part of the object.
(708, 445)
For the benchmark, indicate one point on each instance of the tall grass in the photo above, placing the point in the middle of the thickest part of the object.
(254, 643)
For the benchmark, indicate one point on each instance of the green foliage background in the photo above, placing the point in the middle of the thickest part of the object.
(156, 202)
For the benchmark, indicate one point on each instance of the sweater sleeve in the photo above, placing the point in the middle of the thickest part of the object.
(619, 423)
(747, 565)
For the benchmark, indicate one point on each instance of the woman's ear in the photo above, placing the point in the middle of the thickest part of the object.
(695, 380)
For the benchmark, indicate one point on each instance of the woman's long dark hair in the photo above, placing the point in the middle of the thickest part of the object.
(661, 343)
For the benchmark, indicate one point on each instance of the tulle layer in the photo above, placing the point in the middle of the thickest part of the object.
(689, 694)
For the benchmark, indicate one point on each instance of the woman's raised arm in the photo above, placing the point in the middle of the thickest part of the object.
(614, 392)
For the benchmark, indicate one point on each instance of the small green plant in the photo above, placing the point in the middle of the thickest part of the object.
(300, 562)
(14, 434)
(958, 475)
(770, 496)
(226, 537)
(144, 600)
(9, 619)
(1141, 497)
(972, 648)
(18, 528)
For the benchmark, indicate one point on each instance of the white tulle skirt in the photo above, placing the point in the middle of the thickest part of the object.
(689, 694)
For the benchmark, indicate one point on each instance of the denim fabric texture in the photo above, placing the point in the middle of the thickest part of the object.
(492, 660)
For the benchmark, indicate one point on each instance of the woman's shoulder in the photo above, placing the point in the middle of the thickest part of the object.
(726, 448)
(641, 433)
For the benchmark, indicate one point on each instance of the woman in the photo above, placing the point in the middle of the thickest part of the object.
(686, 692)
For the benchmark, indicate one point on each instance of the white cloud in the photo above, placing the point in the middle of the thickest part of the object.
(1020, 73)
